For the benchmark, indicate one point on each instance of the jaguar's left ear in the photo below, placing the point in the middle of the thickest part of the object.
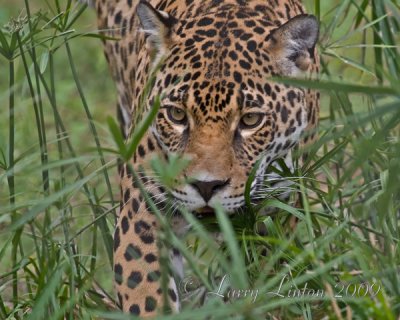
(292, 45)
(156, 24)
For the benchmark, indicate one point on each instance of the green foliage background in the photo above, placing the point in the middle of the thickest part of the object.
(59, 193)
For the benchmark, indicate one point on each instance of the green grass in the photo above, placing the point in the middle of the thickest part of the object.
(59, 191)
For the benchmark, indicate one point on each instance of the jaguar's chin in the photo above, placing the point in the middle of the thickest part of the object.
(209, 212)
(204, 212)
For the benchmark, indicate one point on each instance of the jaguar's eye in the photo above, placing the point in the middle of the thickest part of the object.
(177, 115)
(251, 120)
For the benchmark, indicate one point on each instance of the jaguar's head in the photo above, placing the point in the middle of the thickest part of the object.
(219, 106)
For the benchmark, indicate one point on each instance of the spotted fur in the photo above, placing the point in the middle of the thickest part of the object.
(215, 58)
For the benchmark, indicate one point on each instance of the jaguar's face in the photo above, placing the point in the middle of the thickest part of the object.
(224, 132)
(219, 106)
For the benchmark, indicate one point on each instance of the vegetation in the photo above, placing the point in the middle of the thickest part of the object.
(59, 191)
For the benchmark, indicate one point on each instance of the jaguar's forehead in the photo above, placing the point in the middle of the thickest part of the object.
(246, 97)
(212, 16)
(222, 56)
(226, 40)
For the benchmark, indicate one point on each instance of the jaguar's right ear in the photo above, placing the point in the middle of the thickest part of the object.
(157, 25)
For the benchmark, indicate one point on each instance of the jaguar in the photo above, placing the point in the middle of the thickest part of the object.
(211, 64)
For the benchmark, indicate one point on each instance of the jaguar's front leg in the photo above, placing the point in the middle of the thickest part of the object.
(137, 264)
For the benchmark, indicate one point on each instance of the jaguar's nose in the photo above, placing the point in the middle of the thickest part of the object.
(208, 188)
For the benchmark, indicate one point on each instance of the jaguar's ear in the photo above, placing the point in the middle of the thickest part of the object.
(292, 45)
(157, 25)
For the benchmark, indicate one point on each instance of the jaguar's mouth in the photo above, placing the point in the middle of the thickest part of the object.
(205, 212)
